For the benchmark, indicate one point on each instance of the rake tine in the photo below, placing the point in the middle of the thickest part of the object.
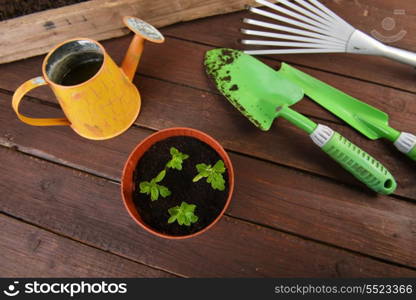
(289, 51)
(288, 37)
(291, 44)
(319, 12)
(305, 12)
(289, 29)
(285, 11)
(315, 29)
(285, 20)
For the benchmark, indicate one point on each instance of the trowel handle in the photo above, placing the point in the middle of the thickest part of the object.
(406, 143)
(356, 161)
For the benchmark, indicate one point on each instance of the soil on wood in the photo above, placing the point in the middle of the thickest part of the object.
(209, 202)
(13, 9)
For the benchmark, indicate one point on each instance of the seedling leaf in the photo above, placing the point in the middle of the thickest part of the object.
(219, 167)
(154, 189)
(213, 174)
(172, 219)
(154, 193)
(183, 214)
(202, 167)
(197, 178)
(160, 176)
(144, 187)
(164, 191)
(173, 151)
(217, 181)
(177, 159)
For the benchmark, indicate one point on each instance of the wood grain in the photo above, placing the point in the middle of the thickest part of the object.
(186, 70)
(275, 196)
(28, 251)
(238, 134)
(301, 214)
(89, 209)
(284, 144)
(37, 33)
(183, 66)
(366, 15)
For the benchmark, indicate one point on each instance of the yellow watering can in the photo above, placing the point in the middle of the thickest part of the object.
(98, 98)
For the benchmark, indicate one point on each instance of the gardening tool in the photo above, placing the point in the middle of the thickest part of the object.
(262, 94)
(368, 120)
(98, 98)
(315, 29)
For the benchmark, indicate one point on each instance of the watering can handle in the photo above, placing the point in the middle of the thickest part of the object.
(358, 162)
(18, 96)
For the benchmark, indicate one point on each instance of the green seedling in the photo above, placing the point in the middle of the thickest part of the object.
(213, 174)
(154, 189)
(183, 214)
(177, 159)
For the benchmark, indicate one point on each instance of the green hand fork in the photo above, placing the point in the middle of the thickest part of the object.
(370, 121)
(262, 95)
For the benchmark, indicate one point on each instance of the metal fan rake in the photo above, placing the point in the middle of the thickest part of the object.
(311, 27)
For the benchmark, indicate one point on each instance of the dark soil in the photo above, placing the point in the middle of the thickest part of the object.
(15, 8)
(209, 202)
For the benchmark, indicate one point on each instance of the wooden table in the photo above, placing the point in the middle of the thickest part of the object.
(294, 213)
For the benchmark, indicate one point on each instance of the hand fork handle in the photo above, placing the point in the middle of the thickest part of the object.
(355, 160)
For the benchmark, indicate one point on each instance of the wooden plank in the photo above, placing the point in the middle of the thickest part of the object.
(276, 196)
(183, 66)
(89, 209)
(283, 144)
(28, 251)
(210, 112)
(366, 15)
(37, 33)
(406, 5)
(32, 140)
(186, 69)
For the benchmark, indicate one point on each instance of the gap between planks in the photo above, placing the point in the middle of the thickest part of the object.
(53, 159)
(140, 133)
(117, 182)
(293, 63)
(400, 76)
(137, 76)
(100, 250)
(98, 19)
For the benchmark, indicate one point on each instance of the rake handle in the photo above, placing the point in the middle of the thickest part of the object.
(362, 43)
(355, 160)
(400, 55)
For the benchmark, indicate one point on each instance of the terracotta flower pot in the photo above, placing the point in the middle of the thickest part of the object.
(127, 184)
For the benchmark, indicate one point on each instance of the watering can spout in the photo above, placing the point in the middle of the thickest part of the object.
(132, 57)
(142, 31)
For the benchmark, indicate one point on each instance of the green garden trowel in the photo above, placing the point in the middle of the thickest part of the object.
(368, 120)
(262, 95)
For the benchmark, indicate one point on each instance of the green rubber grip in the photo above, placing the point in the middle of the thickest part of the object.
(412, 153)
(360, 164)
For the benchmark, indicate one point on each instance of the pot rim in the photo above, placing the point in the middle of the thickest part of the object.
(166, 133)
